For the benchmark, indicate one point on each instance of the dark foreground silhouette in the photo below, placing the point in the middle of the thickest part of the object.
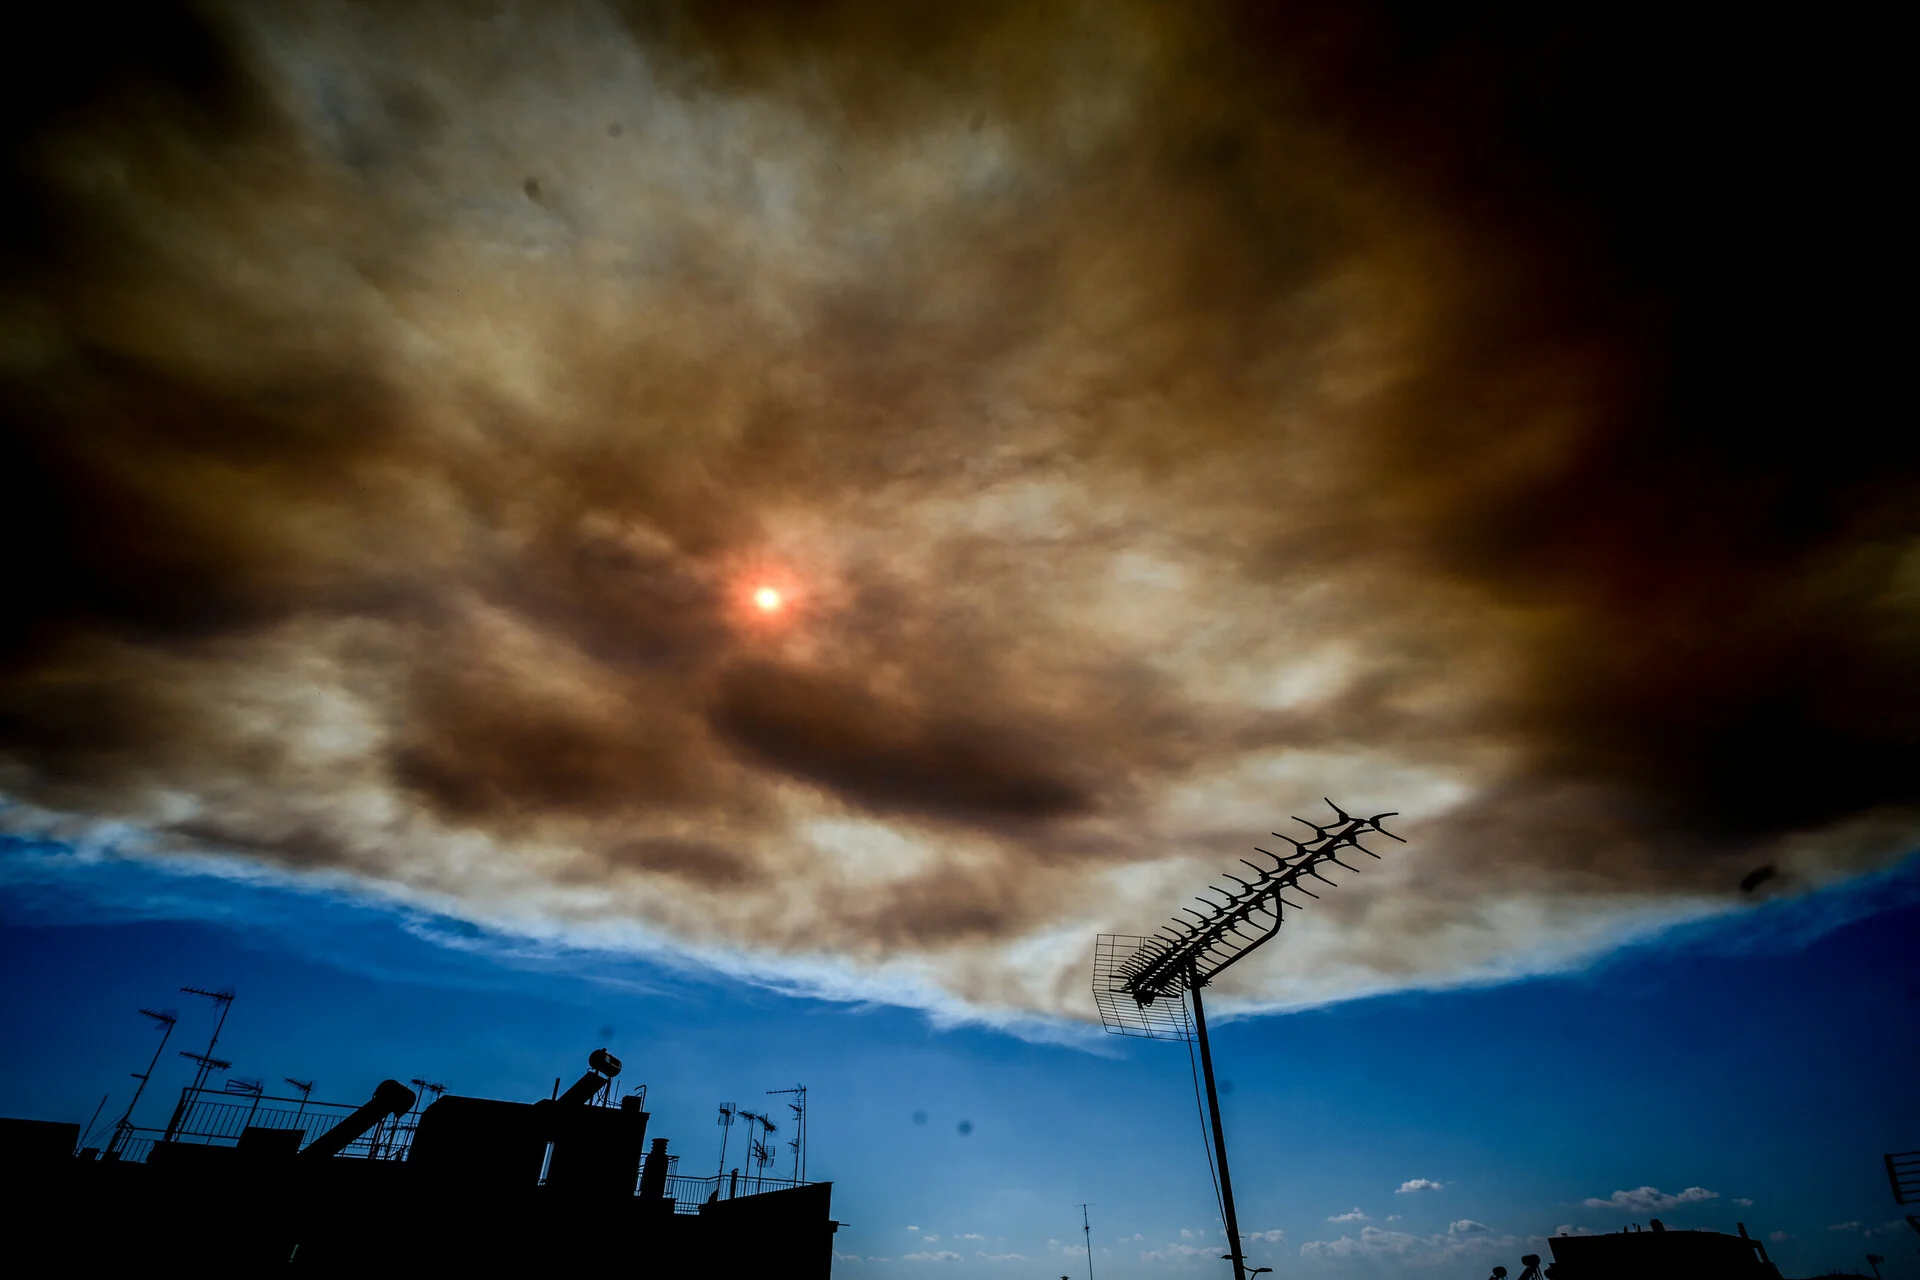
(485, 1184)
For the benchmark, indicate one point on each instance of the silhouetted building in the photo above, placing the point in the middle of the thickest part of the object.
(1660, 1254)
(470, 1183)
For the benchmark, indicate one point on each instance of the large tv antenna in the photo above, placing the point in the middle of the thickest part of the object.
(760, 1152)
(164, 1019)
(799, 1143)
(1150, 986)
(727, 1113)
(207, 1064)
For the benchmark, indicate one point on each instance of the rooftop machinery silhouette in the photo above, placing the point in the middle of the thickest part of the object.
(1150, 986)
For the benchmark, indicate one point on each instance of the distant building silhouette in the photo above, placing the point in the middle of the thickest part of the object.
(1660, 1254)
(471, 1183)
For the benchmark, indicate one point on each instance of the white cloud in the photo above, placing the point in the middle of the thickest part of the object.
(1354, 1216)
(942, 1255)
(1275, 1236)
(1000, 1257)
(1744, 1203)
(1778, 1236)
(1466, 1227)
(1418, 1184)
(1185, 1234)
(911, 1228)
(1844, 1226)
(1650, 1199)
(970, 1235)
(1412, 1249)
(845, 1257)
(1171, 1251)
(1393, 1217)
(930, 1239)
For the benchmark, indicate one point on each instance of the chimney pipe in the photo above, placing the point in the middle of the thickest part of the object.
(653, 1176)
(391, 1099)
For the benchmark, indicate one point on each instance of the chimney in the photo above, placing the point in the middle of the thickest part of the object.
(653, 1174)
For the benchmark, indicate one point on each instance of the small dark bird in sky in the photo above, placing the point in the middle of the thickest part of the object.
(1757, 877)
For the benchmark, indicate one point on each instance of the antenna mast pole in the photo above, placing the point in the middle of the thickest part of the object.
(727, 1113)
(208, 1064)
(124, 1126)
(1086, 1230)
(1219, 1133)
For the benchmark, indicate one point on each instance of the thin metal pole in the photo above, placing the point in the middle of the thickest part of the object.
(88, 1131)
(1219, 1134)
(125, 1125)
(1086, 1230)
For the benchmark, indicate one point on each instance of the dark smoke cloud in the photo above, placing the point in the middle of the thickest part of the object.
(1152, 421)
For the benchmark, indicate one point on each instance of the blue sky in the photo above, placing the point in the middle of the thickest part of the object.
(1765, 1057)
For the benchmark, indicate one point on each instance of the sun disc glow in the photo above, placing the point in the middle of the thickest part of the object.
(766, 599)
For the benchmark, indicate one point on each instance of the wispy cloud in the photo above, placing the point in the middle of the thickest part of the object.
(1352, 1215)
(1651, 1199)
(1412, 1185)
(1373, 1242)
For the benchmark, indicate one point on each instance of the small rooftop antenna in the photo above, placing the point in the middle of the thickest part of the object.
(727, 1113)
(424, 1087)
(252, 1088)
(123, 1127)
(799, 1143)
(1144, 986)
(759, 1150)
(306, 1090)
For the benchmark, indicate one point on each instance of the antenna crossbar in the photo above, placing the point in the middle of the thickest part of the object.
(1248, 914)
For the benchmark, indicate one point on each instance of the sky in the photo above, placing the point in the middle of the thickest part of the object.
(1750, 1071)
(835, 505)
